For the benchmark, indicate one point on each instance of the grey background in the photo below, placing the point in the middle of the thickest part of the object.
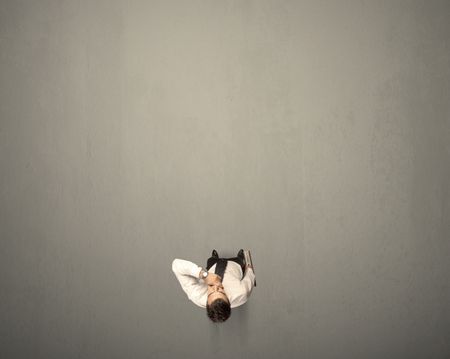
(315, 133)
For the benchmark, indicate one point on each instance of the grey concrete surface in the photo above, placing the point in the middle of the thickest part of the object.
(315, 133)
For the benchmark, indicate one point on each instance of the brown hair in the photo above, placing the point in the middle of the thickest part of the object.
(219, 310)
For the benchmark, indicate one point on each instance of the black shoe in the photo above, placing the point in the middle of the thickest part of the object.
(241, 255)
(214, 254)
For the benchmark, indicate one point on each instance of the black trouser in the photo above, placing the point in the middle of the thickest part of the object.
(213, 260)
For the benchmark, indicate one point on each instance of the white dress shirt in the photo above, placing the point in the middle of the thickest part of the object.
(237, 290)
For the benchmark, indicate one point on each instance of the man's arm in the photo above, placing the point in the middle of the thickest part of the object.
(183, 267)
(187, 274)
(248, 280)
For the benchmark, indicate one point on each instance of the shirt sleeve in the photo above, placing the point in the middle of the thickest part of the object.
(248, 281)
(187, 274)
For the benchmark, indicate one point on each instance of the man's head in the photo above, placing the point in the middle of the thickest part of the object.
(217, 306)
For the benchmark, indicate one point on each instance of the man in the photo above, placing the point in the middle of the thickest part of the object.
(226, 283)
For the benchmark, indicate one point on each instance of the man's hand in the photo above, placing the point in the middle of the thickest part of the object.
(213, 279)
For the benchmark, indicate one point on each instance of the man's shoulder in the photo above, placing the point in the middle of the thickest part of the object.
(238, 301)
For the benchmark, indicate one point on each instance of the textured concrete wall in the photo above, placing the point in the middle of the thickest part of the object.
(315, 133)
